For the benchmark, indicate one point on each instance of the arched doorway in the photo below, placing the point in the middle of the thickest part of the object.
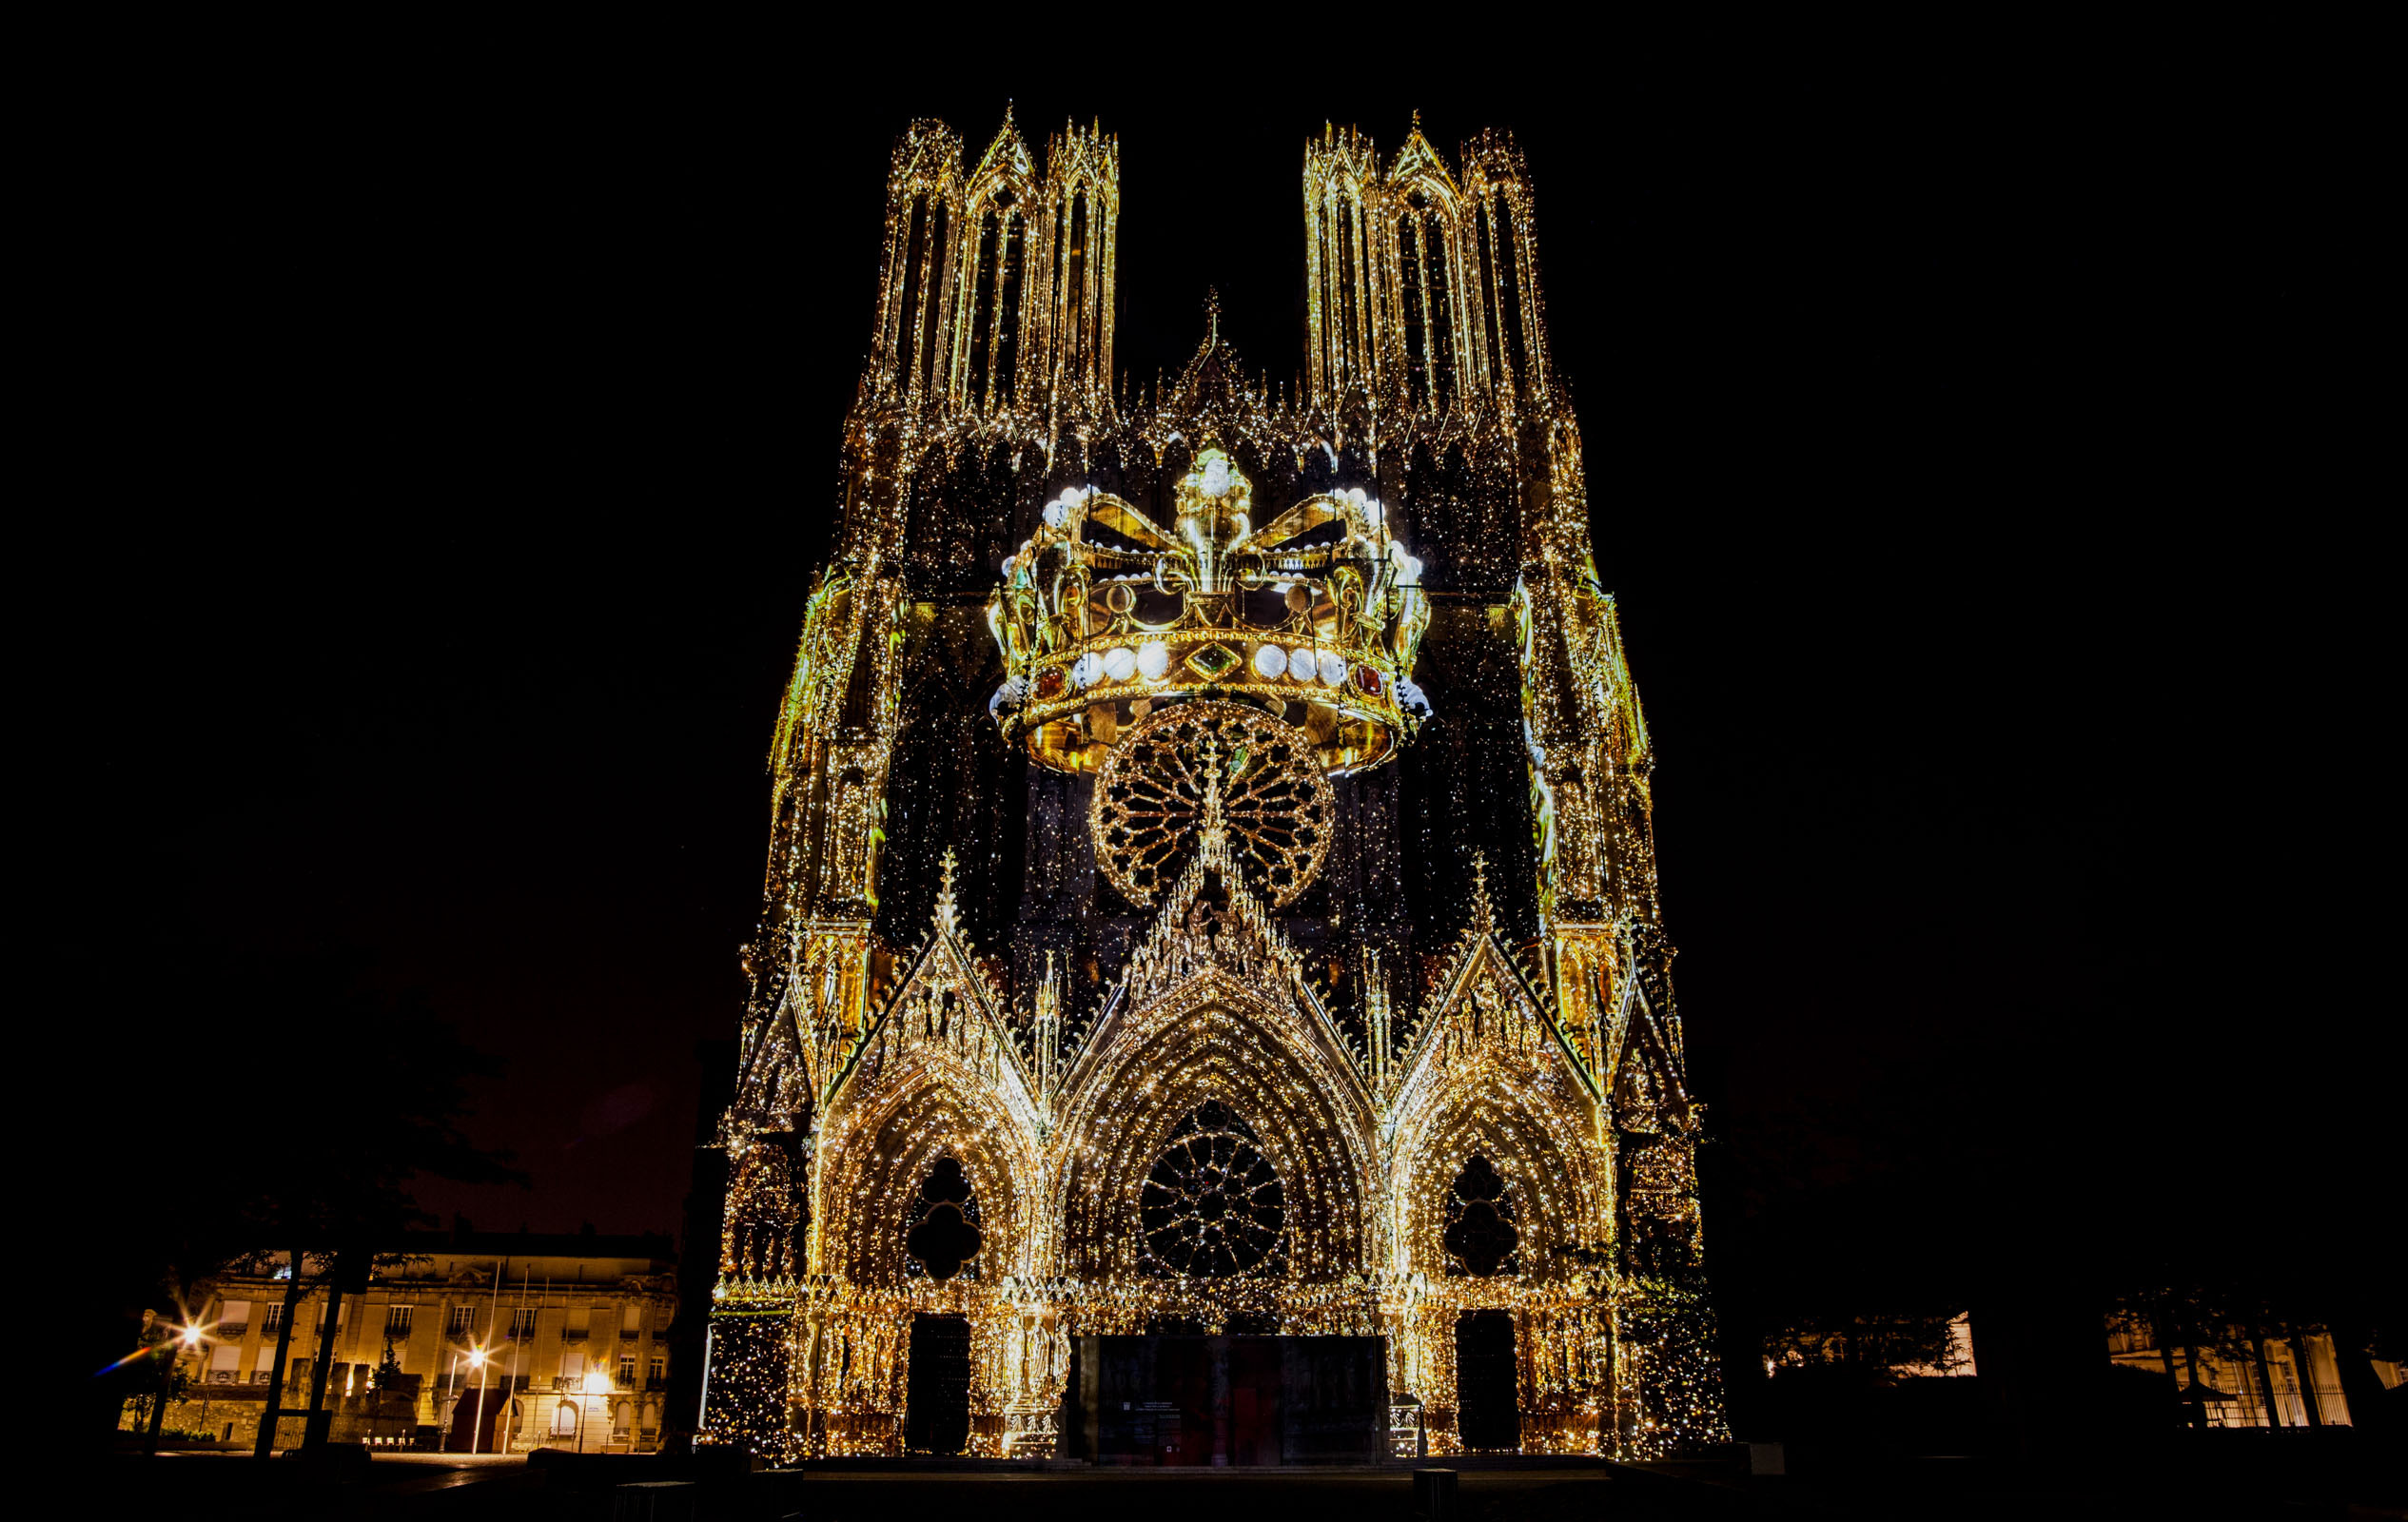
(1488, 1410)
(936, 1397)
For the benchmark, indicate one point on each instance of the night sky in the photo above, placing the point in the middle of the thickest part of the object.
(1954, 458)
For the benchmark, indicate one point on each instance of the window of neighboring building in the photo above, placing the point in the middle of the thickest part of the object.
(233, 1318)
(223, 1359)
(565, 1418)
(624, 1420)
(626, 1368)
(522, 1323)
(397, 1320)
(274, 1318)
(572, 1367)
(659, 1367)
(265, 1372)
(462, 1320)
(630, 1316)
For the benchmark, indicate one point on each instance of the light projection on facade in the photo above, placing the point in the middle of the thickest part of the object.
(1211, 884)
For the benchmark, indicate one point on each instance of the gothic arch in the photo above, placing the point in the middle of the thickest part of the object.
(1211, 1039)
(934, 1081)
(1488, 1074)
(884, 1157)
(1531, 1128)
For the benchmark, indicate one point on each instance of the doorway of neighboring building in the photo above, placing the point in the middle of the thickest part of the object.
(936, 1398)
(1488, 1410)
(476, 1420)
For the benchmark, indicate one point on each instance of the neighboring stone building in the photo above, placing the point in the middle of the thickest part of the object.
(567, 1333)
(2288, 1380)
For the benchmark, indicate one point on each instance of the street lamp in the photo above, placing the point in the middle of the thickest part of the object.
(191, 1341)
(476, 1427)
(597, 1383)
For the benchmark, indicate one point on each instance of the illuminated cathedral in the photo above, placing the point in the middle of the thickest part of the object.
(1210, 1004)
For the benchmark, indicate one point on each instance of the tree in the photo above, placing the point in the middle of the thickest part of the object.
(154, 1378)
(320, 1179)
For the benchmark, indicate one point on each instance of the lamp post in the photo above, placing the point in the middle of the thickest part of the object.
(165, 1368)
(192, 1344)
(594, 1383)
(477, 1428)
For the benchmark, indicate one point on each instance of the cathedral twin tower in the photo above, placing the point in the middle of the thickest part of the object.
(1210, 965)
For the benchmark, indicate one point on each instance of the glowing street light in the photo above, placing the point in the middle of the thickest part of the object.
(477, 1432)
(596, 1383)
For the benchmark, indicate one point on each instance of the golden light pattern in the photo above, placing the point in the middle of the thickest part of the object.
(1212, 713)
(1149, 798)
(1104, 615)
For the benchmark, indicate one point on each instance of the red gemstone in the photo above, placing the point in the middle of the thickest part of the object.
(1367, 679)
(1049, 683)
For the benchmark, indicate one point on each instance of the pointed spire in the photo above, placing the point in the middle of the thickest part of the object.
(1007, 150)
(1048, 1032)
(1212, 314)
(1375, 1003)
(1215, 832)
(1418, 158)
(1484, 912)
(946, 913)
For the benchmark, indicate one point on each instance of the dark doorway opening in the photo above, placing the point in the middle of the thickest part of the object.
(1488, 1410)
(476, 1420)
(1221, 1401)
(1255, 1381)
(937, 1396)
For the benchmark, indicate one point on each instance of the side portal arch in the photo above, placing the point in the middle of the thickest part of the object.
(927, 1087)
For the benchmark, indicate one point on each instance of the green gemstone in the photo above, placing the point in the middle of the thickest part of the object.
(1214, 660)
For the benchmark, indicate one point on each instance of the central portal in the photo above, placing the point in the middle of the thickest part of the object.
(1229, 1401)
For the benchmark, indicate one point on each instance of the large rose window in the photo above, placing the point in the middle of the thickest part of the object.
(1212, 1207)
(1274, 798)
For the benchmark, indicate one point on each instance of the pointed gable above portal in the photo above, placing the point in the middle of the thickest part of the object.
(944, 1012)
(1214, 935)
(1487, 1003)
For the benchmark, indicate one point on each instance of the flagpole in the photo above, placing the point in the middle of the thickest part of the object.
(524, 1273)
(484, 1380)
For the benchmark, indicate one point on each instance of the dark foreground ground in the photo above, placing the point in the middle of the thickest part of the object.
(199, 1487)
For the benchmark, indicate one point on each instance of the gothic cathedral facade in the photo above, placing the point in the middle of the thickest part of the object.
(1211, 888)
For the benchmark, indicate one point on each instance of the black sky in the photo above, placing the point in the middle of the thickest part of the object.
(1955, 458)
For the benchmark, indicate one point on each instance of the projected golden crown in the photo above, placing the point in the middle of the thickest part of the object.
(1106, 616)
